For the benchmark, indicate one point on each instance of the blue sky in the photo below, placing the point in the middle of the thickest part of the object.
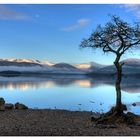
(54, 32)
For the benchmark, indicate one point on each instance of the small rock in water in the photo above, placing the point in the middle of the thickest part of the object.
(20, 106)
(9, 106)
(134, 104)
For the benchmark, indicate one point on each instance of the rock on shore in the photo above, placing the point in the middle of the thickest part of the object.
(20, 106)
(4, 106)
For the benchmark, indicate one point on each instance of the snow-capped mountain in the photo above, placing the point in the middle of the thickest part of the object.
(83, 66)
(131, 66)
(20, 60)
(92, 66)
(27, 65)
(132, 62)
(20, 65)
(63, 66)
(47, 63)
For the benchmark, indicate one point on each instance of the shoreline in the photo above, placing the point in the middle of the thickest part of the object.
(55, 122)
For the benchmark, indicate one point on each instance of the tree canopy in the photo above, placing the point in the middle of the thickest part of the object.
(117, 36)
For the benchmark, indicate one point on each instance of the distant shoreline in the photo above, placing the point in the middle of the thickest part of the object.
(35, 74)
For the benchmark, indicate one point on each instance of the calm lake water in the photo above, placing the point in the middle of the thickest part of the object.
(70, 92)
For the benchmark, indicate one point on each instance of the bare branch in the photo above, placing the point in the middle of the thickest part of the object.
(116, 37)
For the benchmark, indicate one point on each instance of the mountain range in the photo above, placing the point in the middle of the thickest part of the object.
(131, 66)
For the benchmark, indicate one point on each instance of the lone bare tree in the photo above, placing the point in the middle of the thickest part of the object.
(117, 37)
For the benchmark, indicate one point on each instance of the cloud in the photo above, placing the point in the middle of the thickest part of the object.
(7, 13)
(79, 24)
(135, 8)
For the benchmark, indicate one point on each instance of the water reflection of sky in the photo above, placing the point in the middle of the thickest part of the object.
(77, 93)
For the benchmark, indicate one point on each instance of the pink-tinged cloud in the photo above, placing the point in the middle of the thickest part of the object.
(7, 13)
(79, 24)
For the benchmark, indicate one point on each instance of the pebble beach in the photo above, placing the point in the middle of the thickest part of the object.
(46, 122)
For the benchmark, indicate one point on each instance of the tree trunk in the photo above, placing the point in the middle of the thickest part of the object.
(118, 107)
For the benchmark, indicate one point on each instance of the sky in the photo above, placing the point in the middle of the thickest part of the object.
(53, 32)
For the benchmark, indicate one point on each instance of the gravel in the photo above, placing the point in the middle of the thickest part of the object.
(45, 122)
